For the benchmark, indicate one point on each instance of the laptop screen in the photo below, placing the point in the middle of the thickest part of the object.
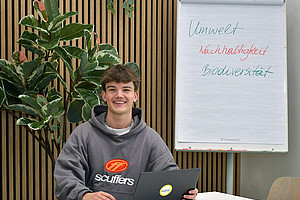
(166, 185)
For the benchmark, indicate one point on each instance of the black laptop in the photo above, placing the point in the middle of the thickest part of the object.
(166, 185)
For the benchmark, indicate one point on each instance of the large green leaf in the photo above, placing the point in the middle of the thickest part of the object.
(36, 76)
(75, 52)
(32, 22)
(49, 45)
(95, 48)
(75, 110)
(86, 112)
(88, 45)
(25, 121)
(107, 59)
(32, 123)
(92, 53)
(8, 98)
(88, 41)
(87, 85)
(30, 101)
(85, 65)
(54, 108)
(59, 19)
(74, 31)
(8, 69)
(52, 67)
(53, 94)
(7, 64)
(63, 54)
(94, 76)
(34, 49)
(4, 76)
(30, 35)
(31, 46)
(45, 81)
(40, 124)
(25, 41)
(12, 89)
(88, 96)
(108, 48)
(25, 109)
(2, 96)
(51, 9)
(26, 68)
(135, 67)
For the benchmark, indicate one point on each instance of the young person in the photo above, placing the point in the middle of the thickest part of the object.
(102, 159)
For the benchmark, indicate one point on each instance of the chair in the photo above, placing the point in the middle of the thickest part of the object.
(285, 188)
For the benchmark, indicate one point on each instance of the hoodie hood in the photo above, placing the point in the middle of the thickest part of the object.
(98, 120)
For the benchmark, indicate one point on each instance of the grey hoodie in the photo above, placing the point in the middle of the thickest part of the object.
(96, 159)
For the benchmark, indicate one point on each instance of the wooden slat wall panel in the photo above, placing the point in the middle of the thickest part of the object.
(3, 158)
(149, 39)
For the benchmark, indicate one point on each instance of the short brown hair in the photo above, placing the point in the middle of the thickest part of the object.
(120, 74)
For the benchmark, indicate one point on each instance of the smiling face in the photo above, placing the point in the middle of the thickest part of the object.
(120, 98)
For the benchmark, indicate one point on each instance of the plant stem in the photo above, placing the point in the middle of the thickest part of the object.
(40, 139)
(47, 146)
(54, 140)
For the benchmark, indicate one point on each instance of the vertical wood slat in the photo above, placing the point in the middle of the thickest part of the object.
(10, 125)
(17, 142)
(170, 77)
(148, 59)
(132, 44)
(126, 38)
(142, 56)
(3, 157)
(153, 66)
(115, 24)
(23, 138)
(98, 18)
(137, 36)
(149, 39)
(103, 23)
(108, 27)
(159, 54)
(164, 70)
(120, 32)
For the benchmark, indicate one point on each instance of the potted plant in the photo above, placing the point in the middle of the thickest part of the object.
(24, 84)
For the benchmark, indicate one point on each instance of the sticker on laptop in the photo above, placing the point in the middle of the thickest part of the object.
(165, 190)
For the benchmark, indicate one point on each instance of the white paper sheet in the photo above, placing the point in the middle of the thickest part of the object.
(230, 74)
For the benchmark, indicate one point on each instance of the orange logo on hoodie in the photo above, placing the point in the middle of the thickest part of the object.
(116, 165)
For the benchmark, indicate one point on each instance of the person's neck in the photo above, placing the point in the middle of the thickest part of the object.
(118, 121)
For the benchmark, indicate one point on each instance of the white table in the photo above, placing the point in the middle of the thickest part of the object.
(218, 196)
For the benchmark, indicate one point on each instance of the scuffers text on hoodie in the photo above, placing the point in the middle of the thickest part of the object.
(116, 179)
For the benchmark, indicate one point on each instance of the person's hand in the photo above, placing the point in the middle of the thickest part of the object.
(98, 196)
(192, 194)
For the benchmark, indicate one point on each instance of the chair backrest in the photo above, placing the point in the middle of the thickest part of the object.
(285, 188)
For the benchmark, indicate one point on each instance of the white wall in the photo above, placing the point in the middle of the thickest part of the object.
(258, 171)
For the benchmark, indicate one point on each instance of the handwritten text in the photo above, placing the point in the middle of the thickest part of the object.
(238, 49)
(258, 71)
(197, 29)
